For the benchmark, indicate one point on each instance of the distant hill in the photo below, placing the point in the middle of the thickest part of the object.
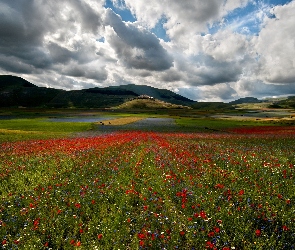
(246, 100)
(149, 104)
(288, 102)
(15, 91)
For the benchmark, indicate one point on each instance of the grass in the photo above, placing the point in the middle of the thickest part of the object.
(25, 129)
(121, 121)
(201, 124)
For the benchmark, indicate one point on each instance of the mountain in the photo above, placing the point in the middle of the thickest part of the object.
(15, 91)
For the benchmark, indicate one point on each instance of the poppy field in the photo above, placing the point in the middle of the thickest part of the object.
(150, 190)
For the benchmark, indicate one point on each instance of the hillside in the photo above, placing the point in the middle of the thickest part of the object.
(15, 91)
(149, 104)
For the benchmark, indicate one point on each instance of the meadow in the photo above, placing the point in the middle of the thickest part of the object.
(207, 185)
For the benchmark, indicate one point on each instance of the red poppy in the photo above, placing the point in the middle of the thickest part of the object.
(258, 232)
(241, 192)
(141, 236)
(203, 214)
(209, 244)
(211, 234)
(99, 236)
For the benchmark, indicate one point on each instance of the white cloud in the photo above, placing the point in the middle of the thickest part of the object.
(275, 46)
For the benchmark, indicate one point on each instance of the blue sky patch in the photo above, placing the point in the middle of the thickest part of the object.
(123, 11)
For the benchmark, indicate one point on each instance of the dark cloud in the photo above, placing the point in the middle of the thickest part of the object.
(59, 54)
(12, 64)
(21, 23)
(171, 76)
(89, 19)
(205, 70)
(137, 48)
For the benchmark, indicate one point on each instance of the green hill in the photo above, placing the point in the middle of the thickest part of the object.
(15, 91)
(149, 104)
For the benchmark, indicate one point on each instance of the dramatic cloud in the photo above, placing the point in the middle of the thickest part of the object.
(136, 47)
(276, 46)
(205, 50)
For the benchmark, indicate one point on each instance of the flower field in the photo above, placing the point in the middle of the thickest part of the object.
(147, 190)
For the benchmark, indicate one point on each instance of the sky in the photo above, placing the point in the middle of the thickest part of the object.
(213, 50)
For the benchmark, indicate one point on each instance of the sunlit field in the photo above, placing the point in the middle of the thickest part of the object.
(148, 190)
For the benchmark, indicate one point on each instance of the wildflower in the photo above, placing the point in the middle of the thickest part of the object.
(99, 236)
(285, 228)
(209, 244)
(241, 192)
(77, 205)
(258, 232)
(203, 214)
(211, 234)
(182, 233)
(141, 236)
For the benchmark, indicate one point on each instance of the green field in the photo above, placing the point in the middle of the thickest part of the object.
(196, 183)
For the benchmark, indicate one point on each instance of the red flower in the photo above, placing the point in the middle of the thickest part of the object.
(203, 214)
(241, 192)
(77, 205)
(258, 232)
(141, 243)
(210, 234)
(209, 244)
(99, 236)
(141, 236)
(182, 233)
(285, 228)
